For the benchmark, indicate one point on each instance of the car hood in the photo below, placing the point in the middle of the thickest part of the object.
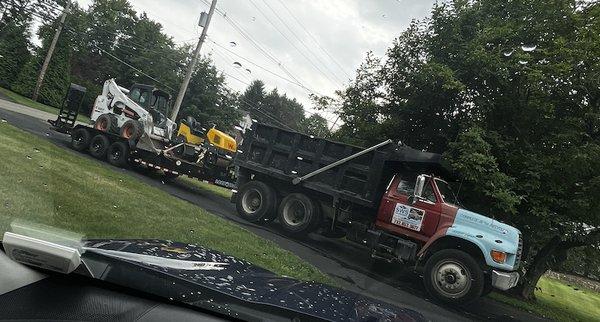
(197, 275)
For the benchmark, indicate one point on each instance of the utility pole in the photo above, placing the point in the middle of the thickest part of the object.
(40, 79)
(188, 75)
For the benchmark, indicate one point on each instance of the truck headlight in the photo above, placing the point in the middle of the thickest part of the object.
(498, 256)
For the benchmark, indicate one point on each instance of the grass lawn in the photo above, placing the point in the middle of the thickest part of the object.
(45, 184)
(559, 301)
(38, 106)
(217, 190)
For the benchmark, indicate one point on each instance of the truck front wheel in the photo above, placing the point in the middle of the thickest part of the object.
(453, 276)
(298, 214)
(256, 202)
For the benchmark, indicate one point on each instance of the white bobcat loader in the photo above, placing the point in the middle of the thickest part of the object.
(134, 114)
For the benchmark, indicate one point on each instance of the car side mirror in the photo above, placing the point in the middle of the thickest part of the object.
(419, 185)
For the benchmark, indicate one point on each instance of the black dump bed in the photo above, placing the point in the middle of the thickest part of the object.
(285, 155)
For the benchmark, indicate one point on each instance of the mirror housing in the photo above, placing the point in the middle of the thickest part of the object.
(419, 185)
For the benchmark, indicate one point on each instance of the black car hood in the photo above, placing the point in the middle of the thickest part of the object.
(212, 277)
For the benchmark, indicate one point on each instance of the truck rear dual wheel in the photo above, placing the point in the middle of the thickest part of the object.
(299, 214)
(453, 276)
(256, 202)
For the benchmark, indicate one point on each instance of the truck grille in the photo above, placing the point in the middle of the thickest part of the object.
(519, 252)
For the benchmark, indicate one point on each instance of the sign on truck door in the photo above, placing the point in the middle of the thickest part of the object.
(418, 219)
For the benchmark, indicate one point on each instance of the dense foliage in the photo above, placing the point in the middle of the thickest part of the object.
(509, 91)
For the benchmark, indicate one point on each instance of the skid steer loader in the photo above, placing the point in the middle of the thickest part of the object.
(139, 115)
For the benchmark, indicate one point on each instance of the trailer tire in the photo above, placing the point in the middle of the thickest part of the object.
(453, 276)
(256, 202)
(98, 146)
(118, 154)
(132, 130)
(107, 123)
(298, 214)
(80, 139)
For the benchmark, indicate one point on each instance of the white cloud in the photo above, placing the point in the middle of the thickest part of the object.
(345, 28)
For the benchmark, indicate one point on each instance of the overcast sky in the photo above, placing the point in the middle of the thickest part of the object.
(287, 30)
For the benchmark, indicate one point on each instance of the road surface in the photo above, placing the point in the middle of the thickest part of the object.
(351, 267)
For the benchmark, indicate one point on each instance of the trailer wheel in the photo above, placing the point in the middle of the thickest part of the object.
(132, 130)
(453, 276)
(118, 154)
(298, 214)
(80, 139)
(98, 146)
(256, 202)
(106, 123)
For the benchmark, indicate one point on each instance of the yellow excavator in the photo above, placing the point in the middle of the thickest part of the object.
(214, 148)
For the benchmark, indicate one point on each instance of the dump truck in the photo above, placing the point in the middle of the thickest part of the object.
(130, 126)
(390, 199)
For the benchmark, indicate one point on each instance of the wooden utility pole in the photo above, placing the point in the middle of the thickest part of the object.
(190, 70)
(40, 80)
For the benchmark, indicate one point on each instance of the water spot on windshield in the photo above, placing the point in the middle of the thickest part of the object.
(528, 47)
(191, 231)
(523, 62)
(162, 181)
(28, 157)
(237, 64)
(507, 53)
(232, 43)
(115, 206)
(4, 121)
(47, 133)
(36, 150)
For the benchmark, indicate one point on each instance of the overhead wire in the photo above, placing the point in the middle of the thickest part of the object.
(314, 39)
(285, 24)
(290, 41)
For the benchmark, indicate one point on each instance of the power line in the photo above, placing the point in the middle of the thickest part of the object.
(263, 68)
(255, 44)
(291, 42)
(314, 38)
(300, 39)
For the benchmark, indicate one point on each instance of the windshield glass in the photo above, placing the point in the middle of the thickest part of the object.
(281, 156)
(446, 191)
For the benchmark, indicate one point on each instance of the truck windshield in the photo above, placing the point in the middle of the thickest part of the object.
(448, 194)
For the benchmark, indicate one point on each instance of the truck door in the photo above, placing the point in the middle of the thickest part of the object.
(397, 215)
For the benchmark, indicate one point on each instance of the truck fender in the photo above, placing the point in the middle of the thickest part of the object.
(472, 247)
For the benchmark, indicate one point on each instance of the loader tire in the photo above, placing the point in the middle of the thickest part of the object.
(107, 123)
(132, 130)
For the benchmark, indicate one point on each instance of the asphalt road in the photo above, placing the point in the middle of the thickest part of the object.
(349, 265)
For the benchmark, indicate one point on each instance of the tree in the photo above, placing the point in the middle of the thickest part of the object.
(509, 91)
(209, 100)
(57, 78)
(315, 125)
(14, 50)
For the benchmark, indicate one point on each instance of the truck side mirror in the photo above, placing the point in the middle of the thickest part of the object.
(419, 185)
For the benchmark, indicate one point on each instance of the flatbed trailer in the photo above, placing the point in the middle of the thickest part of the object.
(121, 152)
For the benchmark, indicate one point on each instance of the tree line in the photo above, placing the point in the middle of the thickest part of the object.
(104, 41)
